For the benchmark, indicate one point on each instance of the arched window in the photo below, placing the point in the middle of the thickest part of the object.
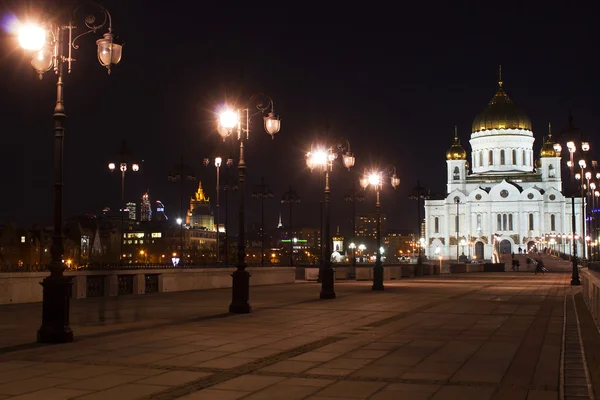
(478, 222)
(510, 222)
(499, 228)
(514, 157)
(481, 158)
(504, 222)
(551, 171)
(553, 222)
(490, 157)
(502, 157)
(436, 224)
(524, 159)
(530, 222)
(456, 174)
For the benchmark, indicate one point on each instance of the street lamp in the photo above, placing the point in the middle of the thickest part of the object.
(323, 158)
(124, 154)
(353, 197)
(47, 42)
(218, 161)
(418, 193)
(375, 179)
(290, 197)
(583, 166)
(239, 121)
(181, 173)
(227, 187)
(262, 192)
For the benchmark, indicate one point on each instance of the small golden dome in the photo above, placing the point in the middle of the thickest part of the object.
(548, 148)
(456, 152)
(467, 165)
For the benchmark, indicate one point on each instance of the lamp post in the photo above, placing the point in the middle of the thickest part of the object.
(217, 162)
(47, 43)
(419, 193)
(239, 121)
(457, 221)
(181, 173)
(123, 155)
(353, 197)
(262, 192)
(375, 179)
(580, 177)
(229, 186)
(290, 197)
(323, 158)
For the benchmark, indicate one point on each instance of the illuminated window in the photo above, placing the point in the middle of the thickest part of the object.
(478, 222)
(22, 239)
(156, 234)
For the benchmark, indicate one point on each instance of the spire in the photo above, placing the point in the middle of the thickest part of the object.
(455, 134)
(549, 130)
(279, 225)
(500, 75)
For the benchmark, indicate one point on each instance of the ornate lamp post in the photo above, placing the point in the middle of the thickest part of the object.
(47, 42)
(218, 162)
(323, 158)
(262, 192)
(228, 187)
(290, 197)
(123, 155)
(375, 179)
(419, 193)
(181, 173)
(239, 121)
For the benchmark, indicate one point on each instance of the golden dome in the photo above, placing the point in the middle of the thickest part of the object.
(501, 113)
(548, 146)
(456, 152)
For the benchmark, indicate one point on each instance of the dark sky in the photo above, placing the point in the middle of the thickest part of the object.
(393, 81)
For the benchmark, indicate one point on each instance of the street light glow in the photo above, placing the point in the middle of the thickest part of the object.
(228, 119)
(374, 178)
(179, 221)
(32, 37)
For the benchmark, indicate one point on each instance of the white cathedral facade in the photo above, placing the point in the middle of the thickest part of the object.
(509, 201)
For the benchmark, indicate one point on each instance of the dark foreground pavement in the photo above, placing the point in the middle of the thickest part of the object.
(470, 336)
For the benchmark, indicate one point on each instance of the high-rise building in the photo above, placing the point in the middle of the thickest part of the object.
(146, 208)
(199, 215)
(160, 211)
(132, 210)
(366, 225)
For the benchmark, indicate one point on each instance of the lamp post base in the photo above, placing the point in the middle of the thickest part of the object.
(240, 292)
(55, 310)
(327, 291)
(575, 281)
(378, 278)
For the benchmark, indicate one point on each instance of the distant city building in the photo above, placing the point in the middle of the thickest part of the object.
(132, 209)
(199, 214)
(366, 226)
(146, 208)
(160, 211)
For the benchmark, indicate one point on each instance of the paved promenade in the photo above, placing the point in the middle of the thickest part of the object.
(466, 336)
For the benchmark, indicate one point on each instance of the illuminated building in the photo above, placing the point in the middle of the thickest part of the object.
(509, 201)
(146, 208)
(160, 211)
(199, 214)
(132, 209)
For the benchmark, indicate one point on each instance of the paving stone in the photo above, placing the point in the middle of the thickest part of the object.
(351, 389)
(212, 394)
(249, 383)
(30, 385)
(51, 394)
(130, 391)
(101, 382)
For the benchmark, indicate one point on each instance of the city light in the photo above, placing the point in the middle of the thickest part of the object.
(32, 37)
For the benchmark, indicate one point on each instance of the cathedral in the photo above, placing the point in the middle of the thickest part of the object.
(504, 201)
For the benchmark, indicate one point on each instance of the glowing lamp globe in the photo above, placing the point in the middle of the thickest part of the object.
(349, 160)
(228, 119)
(272, 124)
(32, 37)
(42, 60)
(112, 166)
(109, 53)
(135, 167)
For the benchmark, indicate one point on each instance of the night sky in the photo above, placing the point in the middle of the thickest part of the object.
(393, 82)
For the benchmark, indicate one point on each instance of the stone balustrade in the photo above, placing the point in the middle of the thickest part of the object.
(24, 287)
(590, 283)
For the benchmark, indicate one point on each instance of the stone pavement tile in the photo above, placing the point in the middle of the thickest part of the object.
(213, 394)
(284, 392)
(351, 389)
(145, 358)
(510, 393)
(329, 371)
(433, 370)
(51, 394)
(410, 388)
(129, 391)
(380, 371)
(396, 360)
(384, 345)
(85, 371)
(316, 356)
(9, 365)
(292, 367)
(181, 349)
(306, 382)
(347, 363)
(368, 354)
(249, 383)
(101, 382)
(542, 395)
(141, 371)
(392, 395)
(488, 364)
(190, 359)
(55, 366)
(20, 373)
(256, 353)
(30, 385)
(235, 347)
(548, 368)
(225, 362)
(463, 393)
(173, 378)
